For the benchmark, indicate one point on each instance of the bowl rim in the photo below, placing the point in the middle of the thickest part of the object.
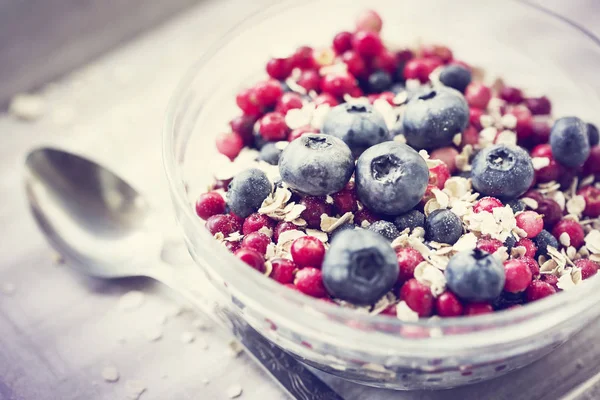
(300, 301)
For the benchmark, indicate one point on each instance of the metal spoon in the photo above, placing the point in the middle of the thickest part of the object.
(104, 228)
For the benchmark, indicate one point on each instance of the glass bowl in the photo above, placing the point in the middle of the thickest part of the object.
(529, 47)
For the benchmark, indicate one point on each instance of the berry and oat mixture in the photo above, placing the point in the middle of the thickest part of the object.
(396, 181)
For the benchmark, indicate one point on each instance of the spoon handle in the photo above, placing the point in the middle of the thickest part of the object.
(292, 376)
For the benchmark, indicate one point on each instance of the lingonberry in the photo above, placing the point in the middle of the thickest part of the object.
(345, 201)
(338, 84)
(524, 121)
(355, 63)
(309, 281)
(209, 204)
(385, 61)
(540, 132)
(315, 207)
(288, 101)
(229, 144)
(518, 276)
(283, 226)
(296, 133)
(550, 172)
(511, 95)
(367, 43)
(268, 92)
(447, 155)
(438, 175)
(569, 233)
(303, 58)
(255, 222)
(470, 136)
(369, 20)
(272, 127)
(308, 251)
(475, 118)
(247, 102)
(436, 51)
(551, 280)
(448, 305)
(478, 308)
(531, 222)
(588, 267)
(232, 246)
(342, 42)
(283, 270)
(420, 68)
(538, 290)
(418, 297)
(365, 215)
(252, 258)
(538, 105)
(533, 265)
(222, 184)
(310, 80)
(243, 126)
(592, 201)
(325, 98)
(530, 247)
(279, 68)
(223, 223)
(478, 95)
(592, 164)
(551, 211)
(489, 245)
(408, 259)
(487, 204)
(256, 241)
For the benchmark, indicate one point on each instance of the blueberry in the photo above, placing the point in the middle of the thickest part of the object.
(507, 299)
(359, 125)
(593, 135)
(569, 141)
(270, 153)
(385, 229)
(516, 205)
(342, 228)
(410, 220)
(259, 141)
(542, 241)
(475, 275)
(502, 171)
(391, 178)
(509, 243)
(433, 116)
(359, 267)
(443, 226)
(247, 191)
(379, 81)
(456, 77)
(397, 88)
(316, 164)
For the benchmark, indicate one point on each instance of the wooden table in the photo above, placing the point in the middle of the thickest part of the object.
(59, 332)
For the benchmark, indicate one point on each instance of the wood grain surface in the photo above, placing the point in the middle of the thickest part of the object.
(58, 331)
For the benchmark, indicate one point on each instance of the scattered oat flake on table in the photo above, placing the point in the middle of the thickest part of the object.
(131, 300)
(153, 334)
(134, 389)
(110, 374)
(205, 381)
(27, 107)
(234, 391)
(188, 337)
(201, 324)
(8, 288)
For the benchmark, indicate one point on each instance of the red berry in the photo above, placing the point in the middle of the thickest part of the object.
(342, 42)
(540, 132)
(355, 63)
(390, 311)
(296, 133)
(438, 175)
(588, 267)
(243, 126)
(209, 204)
(239, 221)
(531, 222)
(538, 290)
(592, 164)
(511, 95)
(447, 155)
(386, 61)
(345, 201)
(534, 195)
(478, 95)
(303, 58)
(252, 258)
(229, 144)
(550, 280)
(325, 98)
(524, 121)
(283, 270)
(448, 305)
(418, 297)
(408, 259)
(272, 127)
(530, 247)
(222, 184)
(573, 229)
(292, 286)
(365, 215)
(308, 251)
(478, 308)
(255, 222)
(279, 68)
(338, 84)
(268, 92)
(538, 105)
(550, 172)
(247, 102)
(403, 56)
(223, 223)
(369, 20)
(310, 80)
(356, 92)
(551, 211)
(287, 102)
(475, 118)
(489, 245)
(533, 266)
(367, 44)
(310, 281)
(315, 207)
(518, 276)
(487, 204)
(256, 241)
(470, 136)
(281, 227)
(592, 201)
(441, 52)
(420, 68)
(232, 246)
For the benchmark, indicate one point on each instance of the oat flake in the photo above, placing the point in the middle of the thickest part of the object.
(134, 389)
(131, 300)
(322, 236)
(405, 313)
(329, 224)
(234, 391)
(110, 373)
(187, 337)
(564, 239)
(531, 203)
(431, 276)
(576, 205)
